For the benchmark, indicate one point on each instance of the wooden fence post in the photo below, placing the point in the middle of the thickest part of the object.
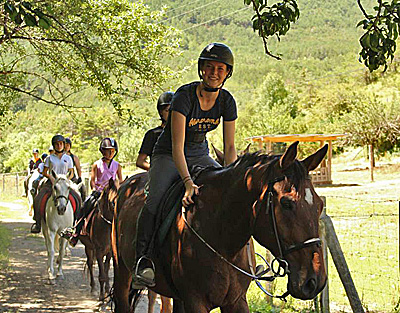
(16, 183)
(324, 295)
(341, 265)
(4, 183)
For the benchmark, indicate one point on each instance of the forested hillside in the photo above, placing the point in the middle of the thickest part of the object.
(318, 86)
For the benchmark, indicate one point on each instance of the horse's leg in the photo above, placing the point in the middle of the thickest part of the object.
(240, 306)
(89, 262)
(106, 271)
(151, 296)
(178, 306)
(50, 253)
(166, 306)
(122, 283)
(61, 254)
(100, 263)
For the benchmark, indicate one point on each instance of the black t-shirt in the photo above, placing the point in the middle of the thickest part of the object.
(149, 140)
(185, 101)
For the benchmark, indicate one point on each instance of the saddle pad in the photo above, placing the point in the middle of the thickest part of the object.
(171, 203)
(46, 197)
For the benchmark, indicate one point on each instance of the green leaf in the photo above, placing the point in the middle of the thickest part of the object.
(9, 8)
(18, 19)
(27, 5)
(30, 20)
(44, 23)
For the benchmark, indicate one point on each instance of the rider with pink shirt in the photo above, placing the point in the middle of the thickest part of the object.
(102, 170)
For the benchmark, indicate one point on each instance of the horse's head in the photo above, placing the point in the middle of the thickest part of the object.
(287, 219)
(108, 198)
(60, 193)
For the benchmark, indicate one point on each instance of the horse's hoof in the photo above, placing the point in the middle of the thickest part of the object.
(51, 281)
(60, 277)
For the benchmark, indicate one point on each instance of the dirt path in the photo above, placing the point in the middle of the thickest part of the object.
(24, 287)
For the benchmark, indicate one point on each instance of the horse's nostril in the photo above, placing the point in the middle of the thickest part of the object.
(310, 286)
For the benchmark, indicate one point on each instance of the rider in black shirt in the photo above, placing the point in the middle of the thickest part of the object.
(150, 138)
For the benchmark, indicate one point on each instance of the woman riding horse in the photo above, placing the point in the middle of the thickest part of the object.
(61, 164)
(102, 170)
(196, 109)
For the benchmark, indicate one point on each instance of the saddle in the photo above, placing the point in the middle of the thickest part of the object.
(171, 205)
(46, 194)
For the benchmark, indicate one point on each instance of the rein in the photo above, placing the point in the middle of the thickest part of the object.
(282, 268)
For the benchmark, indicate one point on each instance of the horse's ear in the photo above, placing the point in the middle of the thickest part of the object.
(220, 155)
(111, 183)
(247, 149)
(53, 174)
(289, 156)
(315, 159)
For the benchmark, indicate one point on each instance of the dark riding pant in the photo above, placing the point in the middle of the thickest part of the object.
(46, 187)
(163, 173)
(87, 207)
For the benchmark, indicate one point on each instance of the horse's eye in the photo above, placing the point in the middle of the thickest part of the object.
(287, 204)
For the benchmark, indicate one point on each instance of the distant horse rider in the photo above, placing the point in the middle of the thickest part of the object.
(32, 165)
(61, 164)
(101, 172)
(150, 138)
(35, 183)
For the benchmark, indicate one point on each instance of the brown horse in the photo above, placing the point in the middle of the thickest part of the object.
(127, 194)
(98, 239)
(268, 197)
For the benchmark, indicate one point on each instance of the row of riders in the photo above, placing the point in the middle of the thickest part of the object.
(175, 149)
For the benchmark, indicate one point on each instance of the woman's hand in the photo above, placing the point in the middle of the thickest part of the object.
(191, 188)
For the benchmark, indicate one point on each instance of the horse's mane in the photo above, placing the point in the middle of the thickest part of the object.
(264, 162)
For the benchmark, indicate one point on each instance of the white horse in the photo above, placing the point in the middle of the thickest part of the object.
(58, 216)
(35, 174)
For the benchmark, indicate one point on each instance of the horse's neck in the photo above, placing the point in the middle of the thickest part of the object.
(226, 224)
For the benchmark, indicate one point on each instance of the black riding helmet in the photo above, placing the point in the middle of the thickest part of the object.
(55, 139)
(68, 140)
(44, 156)
(109, 143)
(164, 100)
(216, 52)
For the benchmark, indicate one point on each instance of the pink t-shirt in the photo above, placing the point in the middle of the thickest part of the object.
(104, 173)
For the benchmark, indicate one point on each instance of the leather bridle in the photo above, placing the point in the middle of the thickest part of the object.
(282, 266)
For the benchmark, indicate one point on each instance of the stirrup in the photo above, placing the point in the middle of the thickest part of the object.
(67, 233)
(35, 229)
(145, 277)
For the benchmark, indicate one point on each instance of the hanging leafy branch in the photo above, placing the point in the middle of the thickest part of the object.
(273, 20)
(51, 49)
(378, 43)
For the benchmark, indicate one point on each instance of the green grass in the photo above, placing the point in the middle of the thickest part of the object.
(5, 240)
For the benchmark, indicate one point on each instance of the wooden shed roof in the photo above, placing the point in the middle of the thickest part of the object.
(295, 137)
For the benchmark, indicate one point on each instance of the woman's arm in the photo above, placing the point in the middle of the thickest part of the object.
(119, 173)
(93, 177)
(229, 142)
(78, 166)
(178, 126)
(141, 161)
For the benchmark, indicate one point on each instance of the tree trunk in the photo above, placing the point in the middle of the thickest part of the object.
(371, 161)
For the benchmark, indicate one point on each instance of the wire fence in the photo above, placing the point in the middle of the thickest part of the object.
(368, 232)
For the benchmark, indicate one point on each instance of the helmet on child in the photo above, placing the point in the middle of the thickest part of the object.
(68, 141)
(35, 150)
(44, 156)
(108, 143)
(164, 100)
(57, 138)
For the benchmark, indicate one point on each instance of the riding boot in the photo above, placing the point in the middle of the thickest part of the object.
(36, 228)
(144, 272)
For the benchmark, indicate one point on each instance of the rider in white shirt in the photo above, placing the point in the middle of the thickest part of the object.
(61, 164)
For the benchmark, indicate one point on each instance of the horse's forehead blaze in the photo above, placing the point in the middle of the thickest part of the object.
(309, 196)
